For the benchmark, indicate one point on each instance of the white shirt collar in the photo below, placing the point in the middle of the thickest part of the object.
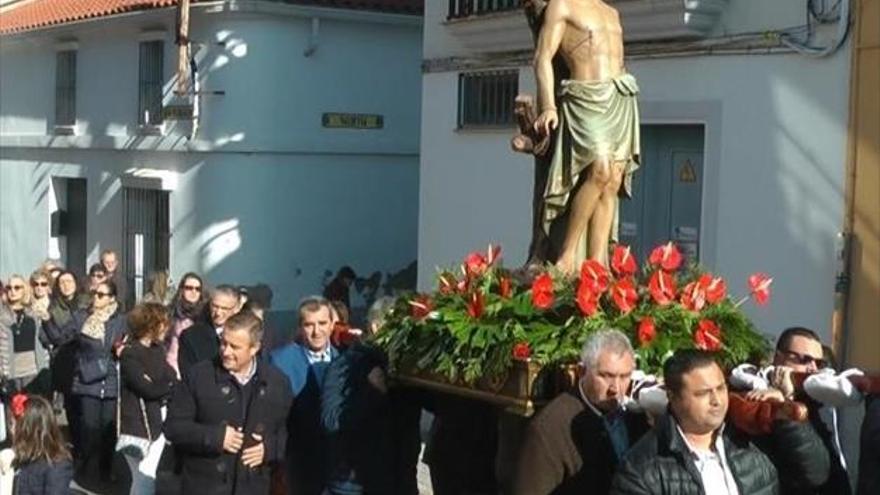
(712, 465)
(318, 357)
(244, 379)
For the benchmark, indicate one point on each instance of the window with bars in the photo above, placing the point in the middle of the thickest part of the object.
(486, 99)
(465, 8)
(65, 88)
(150, 80)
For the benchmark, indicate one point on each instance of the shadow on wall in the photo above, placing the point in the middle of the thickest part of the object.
(367, 289)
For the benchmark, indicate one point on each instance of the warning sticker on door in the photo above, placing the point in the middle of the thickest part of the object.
(687, 172)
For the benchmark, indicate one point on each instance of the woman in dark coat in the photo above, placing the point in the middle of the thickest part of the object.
(66, 300)
(188, 307)
(147, 381)
(95, 383)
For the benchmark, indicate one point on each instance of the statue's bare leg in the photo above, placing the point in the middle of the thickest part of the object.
(582, 207)
(603, 218)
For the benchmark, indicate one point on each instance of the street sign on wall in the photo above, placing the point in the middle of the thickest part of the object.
(352, 121)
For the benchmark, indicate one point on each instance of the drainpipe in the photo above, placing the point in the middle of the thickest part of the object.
(313, 38)
(182, 47)
(839, 323)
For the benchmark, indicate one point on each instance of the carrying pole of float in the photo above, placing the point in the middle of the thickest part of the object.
(182, 47)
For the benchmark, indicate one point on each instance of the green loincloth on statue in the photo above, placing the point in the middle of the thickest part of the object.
(595, 119)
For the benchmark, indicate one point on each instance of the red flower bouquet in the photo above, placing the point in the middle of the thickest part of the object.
(484, 317)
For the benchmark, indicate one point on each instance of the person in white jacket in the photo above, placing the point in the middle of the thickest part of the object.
(800, 350)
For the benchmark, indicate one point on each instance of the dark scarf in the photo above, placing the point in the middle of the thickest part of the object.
(194, 312)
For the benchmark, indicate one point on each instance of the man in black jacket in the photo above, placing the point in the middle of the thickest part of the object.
(574, 444)
(800, 350)
(228, 417)
(201, 342)
(691, 450)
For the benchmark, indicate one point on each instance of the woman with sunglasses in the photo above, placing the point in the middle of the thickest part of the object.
(41, 286)
(24, 359)
(189, 306)
(95, 381)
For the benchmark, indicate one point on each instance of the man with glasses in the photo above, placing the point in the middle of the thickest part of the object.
(201, 342)
(799, 350)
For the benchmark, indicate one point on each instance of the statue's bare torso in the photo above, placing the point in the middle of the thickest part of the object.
(592, 40)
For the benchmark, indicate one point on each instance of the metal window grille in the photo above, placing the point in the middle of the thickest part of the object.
(150, 82)
(65, 88)
(465, 8)
(146, 226)
(486, 99)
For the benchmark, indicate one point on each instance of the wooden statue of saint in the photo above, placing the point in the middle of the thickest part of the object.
(584, 134)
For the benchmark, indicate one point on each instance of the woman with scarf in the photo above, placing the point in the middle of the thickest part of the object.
(24, 360)
(66, 300)
(95, 381)
(188, 307)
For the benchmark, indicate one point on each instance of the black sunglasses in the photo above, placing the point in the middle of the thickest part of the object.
(804, 359)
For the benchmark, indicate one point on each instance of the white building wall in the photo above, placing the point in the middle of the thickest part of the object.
(264, 193)
(773, 190)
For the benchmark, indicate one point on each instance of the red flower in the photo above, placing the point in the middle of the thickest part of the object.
(759, 286)
(504, 288)
(522, 351)
(667, 256)
(625, 295)
(542, 291)
(693, 296)
(18, 403)
(343, 335)
(448, 284)
(421, 306)
(587, 299)
(475, 264)
(662, 287)
(647, 331)
(622, 261)
(475, 305)
(596, 275)
(708, 336)
(716, 290)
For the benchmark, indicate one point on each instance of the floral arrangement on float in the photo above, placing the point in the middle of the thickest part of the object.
(483, 319)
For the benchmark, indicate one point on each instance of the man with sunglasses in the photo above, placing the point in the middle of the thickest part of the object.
(799, 350)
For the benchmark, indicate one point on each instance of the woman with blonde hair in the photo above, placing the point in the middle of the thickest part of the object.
(24, 358)
(158, 288)
(41, 287)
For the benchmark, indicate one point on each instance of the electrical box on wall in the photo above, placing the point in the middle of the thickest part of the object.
(667, 191)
